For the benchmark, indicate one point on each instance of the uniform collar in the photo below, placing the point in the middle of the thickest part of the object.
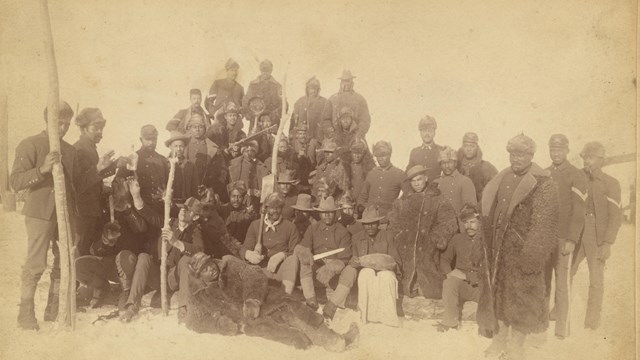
(86, 140)
(565, 164)
(385, 168)
(428, 146)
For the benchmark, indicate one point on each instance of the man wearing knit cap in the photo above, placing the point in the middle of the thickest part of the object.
(346, 96)
(572, 191)
(279, 238)
(602, 221)
(471, 164)
(89, 202)
(456, 188)
(250, 170)
(519, 220)
(383, 184)
(461, 263)
(427, 153)
(225, 90)
(311, 110)
(266, 88)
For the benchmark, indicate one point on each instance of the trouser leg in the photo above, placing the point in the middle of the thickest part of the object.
(596, 274)
(562, 295)
(347, 278)
(140, 278)
(451, 299)
(39, 234)
(178, 279)
(85, 233)
(366, 283)
(386, 294)
(306, 281)
(125, 263)
(288, 271)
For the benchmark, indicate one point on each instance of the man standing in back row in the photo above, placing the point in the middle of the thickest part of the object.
(601, 223)
(428, 153)
(347, 97)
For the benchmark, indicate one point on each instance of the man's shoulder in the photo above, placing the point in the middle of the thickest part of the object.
(37, 141)
(610, 180)
(341, 230)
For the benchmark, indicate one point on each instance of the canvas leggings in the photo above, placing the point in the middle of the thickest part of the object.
(345, 281)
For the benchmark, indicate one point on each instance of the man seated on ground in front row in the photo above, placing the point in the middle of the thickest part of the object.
(461, 284)
(326, 235)
(184, 239)
(374, 251)
(279, 238)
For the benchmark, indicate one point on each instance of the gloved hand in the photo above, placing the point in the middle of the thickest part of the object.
(568, 247)
(354, 262)
(324, 275)
(604, 251)
(275, 260)
(253, 257)
(335, 266)
(304, 254)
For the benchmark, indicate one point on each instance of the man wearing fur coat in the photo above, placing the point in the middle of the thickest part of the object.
(519, 219)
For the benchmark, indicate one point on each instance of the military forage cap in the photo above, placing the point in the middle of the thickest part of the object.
(231, 64)
(447, 154)
(467, 212)
(266, 66)
(522, 143)
(427, 122)
(593, 148)
(89, 116)
(470, 137)
(148, 132)
(558, 141)
(382, 148)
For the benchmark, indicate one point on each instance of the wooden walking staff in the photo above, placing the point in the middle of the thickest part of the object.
(269, 181)
(66, 316)
(167, 218)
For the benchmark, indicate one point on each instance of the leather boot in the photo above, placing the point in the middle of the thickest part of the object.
(27, 315)
(515, 348)
(499, 342)
(51, 311)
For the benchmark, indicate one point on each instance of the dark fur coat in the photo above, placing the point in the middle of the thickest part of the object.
(423, 223)
(517, 295)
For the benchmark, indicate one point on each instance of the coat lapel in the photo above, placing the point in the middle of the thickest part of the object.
(490, 191)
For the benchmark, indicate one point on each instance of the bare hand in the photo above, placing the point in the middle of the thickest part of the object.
(106, 160)
(51, 158)
(134, 187)
(167, 235)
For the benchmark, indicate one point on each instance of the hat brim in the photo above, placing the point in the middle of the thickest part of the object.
(292, 182)
(409, 177)
(371, 220)
(324, 210)
(184, 138)
(301, 208)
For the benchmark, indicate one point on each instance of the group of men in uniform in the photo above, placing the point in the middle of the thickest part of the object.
(450, 226)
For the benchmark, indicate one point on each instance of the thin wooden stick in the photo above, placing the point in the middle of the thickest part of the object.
(66, 295)
(167, 218)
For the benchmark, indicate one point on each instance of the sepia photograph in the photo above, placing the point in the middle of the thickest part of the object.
(247, 179)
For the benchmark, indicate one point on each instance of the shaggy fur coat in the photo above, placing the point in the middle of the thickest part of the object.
(423, 224)
(513, 288)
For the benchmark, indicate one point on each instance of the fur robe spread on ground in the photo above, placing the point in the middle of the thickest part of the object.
(517, 296)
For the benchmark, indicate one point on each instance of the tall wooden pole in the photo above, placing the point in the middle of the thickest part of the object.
(168, 195)
(65, 243)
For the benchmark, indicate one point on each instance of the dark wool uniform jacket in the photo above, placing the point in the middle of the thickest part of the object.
(572, 193)
(153, 172)
(25, 175)
(322, 238)
(132, 226)
(604, 191)
(225, 90)
(284, 239)
(89, 202)
(480, 173)
(427, 156)
(191, 236)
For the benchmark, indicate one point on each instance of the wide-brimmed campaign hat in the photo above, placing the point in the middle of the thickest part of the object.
(287, 177)
(327, 205)
(303, 203)
(370, 215)
(177, 135)
(415, 171)
(346, 75)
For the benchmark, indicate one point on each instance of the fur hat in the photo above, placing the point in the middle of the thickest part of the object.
(149, 132)
(382, 148)
(447, 154)
(558, 141)
(237, 185)
(313, 83)
(593, 148)
(266, 66)
(415, 171)
(522, 143)
(427, 122)
(470, 137)
(468, 211)
(89, 116)
(231, 107)
(344, 111)
(274, 200)
(359, 146)
(346, 75)
(231, 64)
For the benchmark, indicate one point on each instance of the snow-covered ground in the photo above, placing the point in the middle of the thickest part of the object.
(151, 336)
